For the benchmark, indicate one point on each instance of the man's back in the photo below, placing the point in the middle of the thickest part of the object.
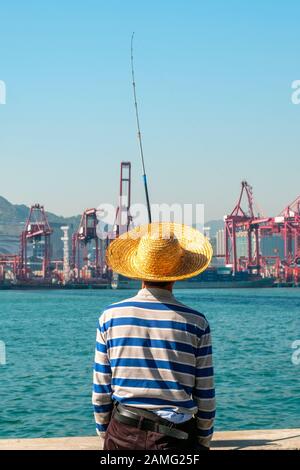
(155, 353)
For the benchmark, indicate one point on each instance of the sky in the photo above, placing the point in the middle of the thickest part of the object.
(214, 89)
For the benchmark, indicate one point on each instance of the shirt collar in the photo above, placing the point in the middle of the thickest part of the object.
(155, 293)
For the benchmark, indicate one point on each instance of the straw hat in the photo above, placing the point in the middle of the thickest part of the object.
(161, 251)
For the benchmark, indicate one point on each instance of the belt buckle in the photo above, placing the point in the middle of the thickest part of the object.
(170, 425)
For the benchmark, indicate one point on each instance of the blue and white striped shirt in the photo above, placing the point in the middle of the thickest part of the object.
(155, 353)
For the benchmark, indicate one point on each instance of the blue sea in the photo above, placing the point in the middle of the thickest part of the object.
(45, 386)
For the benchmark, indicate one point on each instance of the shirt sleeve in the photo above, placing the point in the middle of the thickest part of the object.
(204, 391)
(102, 392)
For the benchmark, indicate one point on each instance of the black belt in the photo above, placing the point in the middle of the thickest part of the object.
(147, 421)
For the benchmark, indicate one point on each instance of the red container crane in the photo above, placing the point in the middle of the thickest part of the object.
(36, 229)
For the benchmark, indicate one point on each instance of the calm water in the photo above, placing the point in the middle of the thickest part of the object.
(45, 388)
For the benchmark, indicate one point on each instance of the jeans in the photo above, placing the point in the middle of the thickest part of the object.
(120, 436)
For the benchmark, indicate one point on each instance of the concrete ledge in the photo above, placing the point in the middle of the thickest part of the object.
(276, 439)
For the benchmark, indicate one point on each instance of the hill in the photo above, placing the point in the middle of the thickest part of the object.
(18, 213)
(13, 218)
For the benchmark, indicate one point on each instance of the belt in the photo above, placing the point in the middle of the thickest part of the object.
(147, 421)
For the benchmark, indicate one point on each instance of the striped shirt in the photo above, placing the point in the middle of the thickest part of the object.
(155, 353)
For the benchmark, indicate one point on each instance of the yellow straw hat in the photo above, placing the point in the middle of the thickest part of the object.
(161, 251)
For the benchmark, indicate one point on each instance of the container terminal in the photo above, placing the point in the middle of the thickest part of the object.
(251, 250)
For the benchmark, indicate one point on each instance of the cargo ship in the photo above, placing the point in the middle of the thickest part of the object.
(214, 280)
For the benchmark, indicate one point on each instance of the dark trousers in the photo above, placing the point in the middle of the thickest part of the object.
(121, 436)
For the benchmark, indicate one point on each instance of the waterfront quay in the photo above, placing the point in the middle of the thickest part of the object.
(274, 439)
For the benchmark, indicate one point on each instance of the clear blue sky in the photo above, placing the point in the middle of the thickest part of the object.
(214, 85)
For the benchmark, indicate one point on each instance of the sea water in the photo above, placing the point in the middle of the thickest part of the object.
(49, 339)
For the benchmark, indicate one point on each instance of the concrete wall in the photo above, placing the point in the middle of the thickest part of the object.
(283, 439)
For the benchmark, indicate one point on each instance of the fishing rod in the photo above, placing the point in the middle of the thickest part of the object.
(139, 133)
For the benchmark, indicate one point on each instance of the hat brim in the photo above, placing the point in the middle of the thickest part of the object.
(195, 258)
